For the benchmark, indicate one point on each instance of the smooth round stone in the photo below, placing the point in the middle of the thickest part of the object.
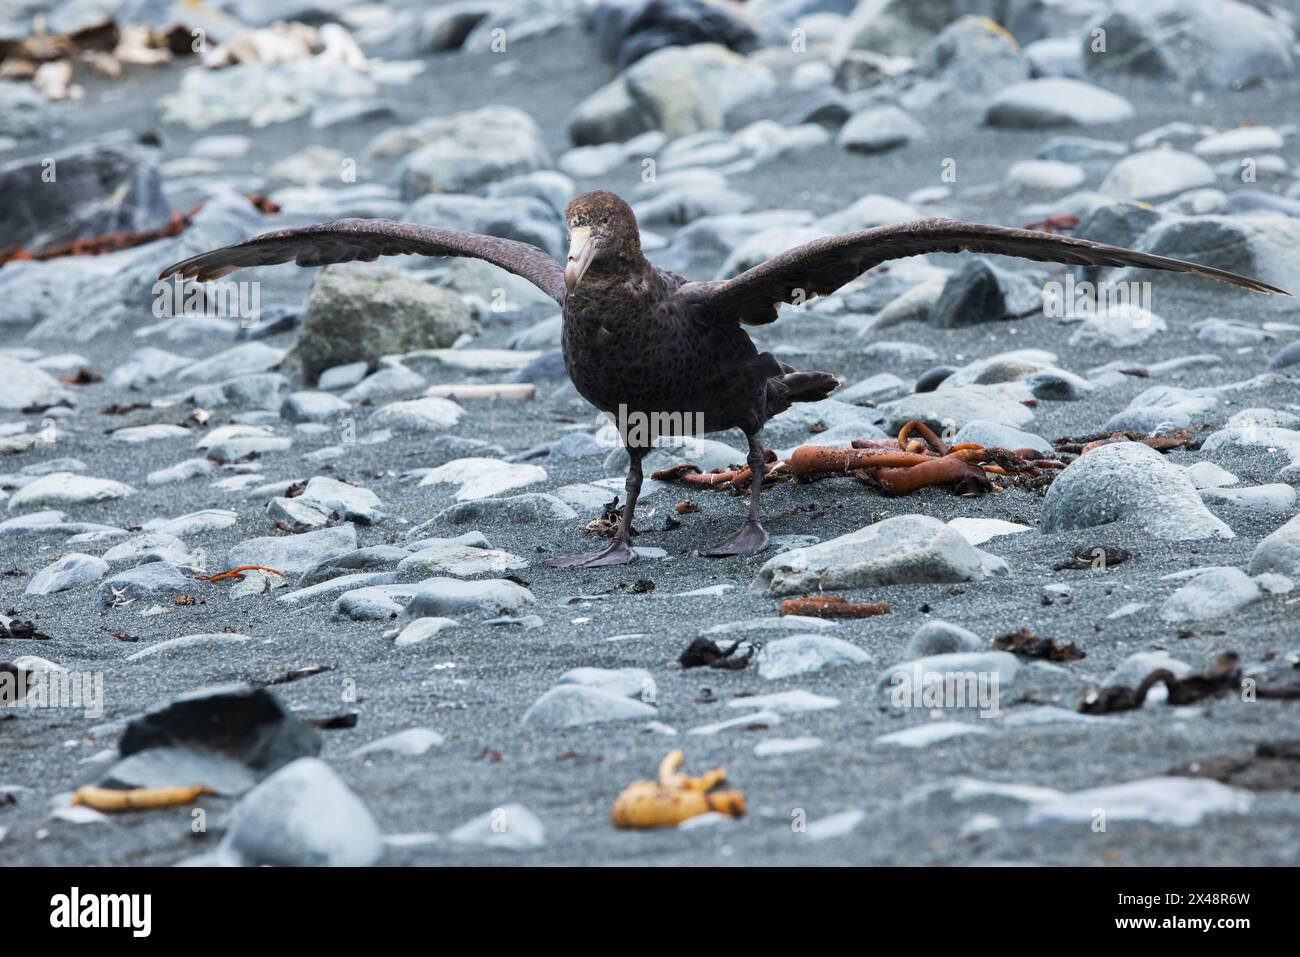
(929, 380)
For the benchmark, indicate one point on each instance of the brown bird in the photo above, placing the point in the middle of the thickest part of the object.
(659, 353)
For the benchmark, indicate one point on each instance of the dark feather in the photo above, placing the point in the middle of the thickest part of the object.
(820, 267)
(347, 240)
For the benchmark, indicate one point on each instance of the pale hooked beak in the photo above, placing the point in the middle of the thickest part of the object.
(582, 250)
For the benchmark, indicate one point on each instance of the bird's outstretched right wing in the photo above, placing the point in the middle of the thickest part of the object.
(820, 267)
(346, 240)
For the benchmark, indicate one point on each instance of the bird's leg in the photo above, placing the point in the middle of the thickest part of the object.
(752, 537)
(619, 551)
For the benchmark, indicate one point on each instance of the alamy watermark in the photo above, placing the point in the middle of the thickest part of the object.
(916, 687)
(1082, 300)
(219, 299)
(644, 429)
(83, 690)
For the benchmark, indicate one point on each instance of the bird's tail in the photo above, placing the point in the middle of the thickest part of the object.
(810, 386)
(784, 390)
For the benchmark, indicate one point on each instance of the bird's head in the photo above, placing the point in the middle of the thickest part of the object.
(602, 231)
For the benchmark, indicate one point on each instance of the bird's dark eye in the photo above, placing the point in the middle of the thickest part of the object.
(607, 218)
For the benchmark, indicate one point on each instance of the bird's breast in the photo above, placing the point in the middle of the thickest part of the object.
(650, 359)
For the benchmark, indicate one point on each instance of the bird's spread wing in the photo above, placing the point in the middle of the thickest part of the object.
(820, 267)
(346, 240)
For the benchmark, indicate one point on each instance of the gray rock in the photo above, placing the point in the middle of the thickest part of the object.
(1118, 325)
(533, 508)
(149, 547)
(1217, 592)
(449, 557)
(1151, 174)
(471, 149)
(1057, 385)
(910, 353)
(447, 597)
(574, 705)
(430, 414)
(351, 318)
(352, 503)
(941, 638)
(683, 90)
(1205, 44)
(411, 743)
(168, 767)
(1128, 481)
(336, 586)
(294, 554)
(1278, 552)
(1130, 672)
(1176, 801)
(610, 115)
(628, 682)
(931, 379)
(145, 366)
(233, 450)
(142, 583)
(509, 828)
(904, 549)
(313, 407)
(23, 385)
(372, 603)
(23, 114)
(1277, 498)
(880, 129)
(394, 379)
(903, 675)
(1054, 102)
(303, 816)
(1230, 332)
(977, 291)
(805, 654)
(248, 358)
(343, 376)
(101, 188)
(950, 409)
(246, 725)
(262, 391)
(1161, 408)
(207, 642)
(373, 558)
(1286, 357)
(70, 571)
(876, 388)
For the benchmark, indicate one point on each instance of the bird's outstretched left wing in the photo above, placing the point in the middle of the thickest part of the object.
(346, 240)
(820, 267)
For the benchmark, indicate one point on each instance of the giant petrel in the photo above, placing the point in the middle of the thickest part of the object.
(661, 353)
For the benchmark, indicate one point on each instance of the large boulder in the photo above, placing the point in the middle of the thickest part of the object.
(353, 317)
(80, 193)
(680, 90)
(627, 30)
(1129, 482)
(1207, 44)
(459, 153)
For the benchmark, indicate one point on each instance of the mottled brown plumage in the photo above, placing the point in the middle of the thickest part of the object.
(648, 346)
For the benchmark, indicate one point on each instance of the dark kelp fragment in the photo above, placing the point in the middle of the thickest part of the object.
(1094, 558)
(1274, 766)
(1225, 676)
(1029, 645)
(832, 606)
(704, 652)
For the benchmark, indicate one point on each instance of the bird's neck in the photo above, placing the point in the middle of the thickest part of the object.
(627, 277)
